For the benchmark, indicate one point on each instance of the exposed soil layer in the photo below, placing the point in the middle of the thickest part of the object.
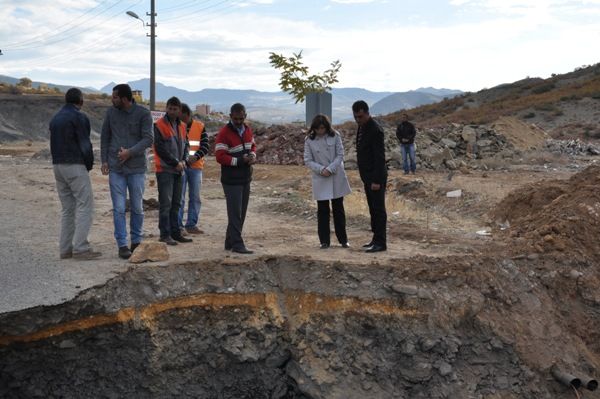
(422, 328)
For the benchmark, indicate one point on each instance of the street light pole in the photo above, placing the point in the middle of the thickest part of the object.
(152, 55)
(152, 36)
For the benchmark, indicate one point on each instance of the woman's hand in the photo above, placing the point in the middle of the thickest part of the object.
(325, 172)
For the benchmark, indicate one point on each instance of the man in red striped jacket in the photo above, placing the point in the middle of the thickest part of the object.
(235, 151)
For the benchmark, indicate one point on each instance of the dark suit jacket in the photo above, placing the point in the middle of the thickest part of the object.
(370, 153)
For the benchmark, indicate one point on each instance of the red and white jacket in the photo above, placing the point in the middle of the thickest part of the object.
(230, 149)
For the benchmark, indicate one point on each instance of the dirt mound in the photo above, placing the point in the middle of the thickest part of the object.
(556, 215)
(521, 135)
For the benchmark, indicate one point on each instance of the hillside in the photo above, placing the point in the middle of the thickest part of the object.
(566, 105)
(399, 101)
(26, 116)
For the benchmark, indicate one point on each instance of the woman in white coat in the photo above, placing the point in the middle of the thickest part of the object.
(324, 156)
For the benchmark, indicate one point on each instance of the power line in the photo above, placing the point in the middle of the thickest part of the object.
(58, 40)
(193, 13)
(44, 37)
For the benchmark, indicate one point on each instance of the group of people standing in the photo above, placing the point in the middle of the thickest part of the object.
(180, 145)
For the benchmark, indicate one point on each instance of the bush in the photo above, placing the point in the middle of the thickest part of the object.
(543, 88)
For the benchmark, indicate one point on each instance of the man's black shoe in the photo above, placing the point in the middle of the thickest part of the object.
(368, 245)
(242, 250)
(324, 246)
(124, 253)
(180, 238)
(346, 245)
(167, 240)
(376, 248)
(134, 246)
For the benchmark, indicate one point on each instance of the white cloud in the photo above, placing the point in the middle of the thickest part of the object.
(507, 45)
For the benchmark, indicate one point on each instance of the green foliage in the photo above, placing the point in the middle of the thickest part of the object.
(295, 78)
(24, 82)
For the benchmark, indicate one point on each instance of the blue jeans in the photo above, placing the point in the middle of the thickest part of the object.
(119, 185)
(193, 179)
(408, 150)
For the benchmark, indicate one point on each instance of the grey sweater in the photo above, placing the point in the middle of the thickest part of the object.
(132, 130)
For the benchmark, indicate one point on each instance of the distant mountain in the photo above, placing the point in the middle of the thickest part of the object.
(13, 81)
(274, 107)
(411, 99)
(440, 92)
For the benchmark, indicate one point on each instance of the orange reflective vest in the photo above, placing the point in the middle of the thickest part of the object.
(195, 138)
(173, 142)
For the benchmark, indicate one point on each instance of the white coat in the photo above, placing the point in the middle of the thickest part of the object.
(326, 153)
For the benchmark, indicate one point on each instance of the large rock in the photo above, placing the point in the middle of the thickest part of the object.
(469, 134)
(150, 251)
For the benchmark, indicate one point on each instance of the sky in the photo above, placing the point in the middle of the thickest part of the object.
(383, 45)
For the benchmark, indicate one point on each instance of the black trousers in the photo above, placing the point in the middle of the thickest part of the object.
(169, 200)
(339, 220)
(376, 202)
(236, 197)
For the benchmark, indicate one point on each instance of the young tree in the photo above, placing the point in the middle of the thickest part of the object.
(25, 82)
(296, 80)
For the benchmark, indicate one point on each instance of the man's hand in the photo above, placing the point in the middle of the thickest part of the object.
(105, 168)
(325, 172)
(375, 186)
(180, 166)
(124, 155)
(250, 159)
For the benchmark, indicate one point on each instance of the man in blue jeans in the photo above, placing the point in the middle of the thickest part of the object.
(126, 135)
(198, 141)
(406, 132)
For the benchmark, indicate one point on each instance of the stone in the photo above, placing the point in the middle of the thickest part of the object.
(484, 143)
(469, 134)
(449, 143)
(405, 289)
(150, 251)
(444, 369)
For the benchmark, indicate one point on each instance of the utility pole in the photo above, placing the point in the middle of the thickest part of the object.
(152, 54)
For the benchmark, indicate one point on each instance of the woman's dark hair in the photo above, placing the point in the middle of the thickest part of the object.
(320, 120)
(185, 109)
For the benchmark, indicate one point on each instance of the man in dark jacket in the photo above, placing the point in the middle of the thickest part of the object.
(72, 159)
(406, 132)
(370, 153)
(170, 156)
(235, 151)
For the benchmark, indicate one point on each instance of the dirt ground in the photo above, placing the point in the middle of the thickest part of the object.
(503, 272)
(281, 221)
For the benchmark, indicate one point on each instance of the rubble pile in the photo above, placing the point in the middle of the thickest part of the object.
(572, 147)
(555, 216)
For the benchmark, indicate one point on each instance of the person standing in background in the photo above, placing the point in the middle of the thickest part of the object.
(72, 159)
(192, 178)
(370, 154)
(324, 155)
(406, 133)
(126, 135)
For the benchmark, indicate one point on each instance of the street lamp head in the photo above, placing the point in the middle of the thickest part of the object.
(133, 15)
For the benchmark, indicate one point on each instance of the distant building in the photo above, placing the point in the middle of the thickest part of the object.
(203, 109)
(137, 94)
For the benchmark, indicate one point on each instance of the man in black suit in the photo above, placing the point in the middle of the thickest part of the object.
(370, 152)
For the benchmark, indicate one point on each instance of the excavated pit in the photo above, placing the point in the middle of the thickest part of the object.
(293, 328)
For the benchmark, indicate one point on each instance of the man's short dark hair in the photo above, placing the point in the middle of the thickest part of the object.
(173, 102)
(360, 105)
(237, 108)
(185, 109)
(124, 90)
(74, 96)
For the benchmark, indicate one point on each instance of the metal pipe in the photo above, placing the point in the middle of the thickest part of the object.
(589, 383)
(567, 380)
